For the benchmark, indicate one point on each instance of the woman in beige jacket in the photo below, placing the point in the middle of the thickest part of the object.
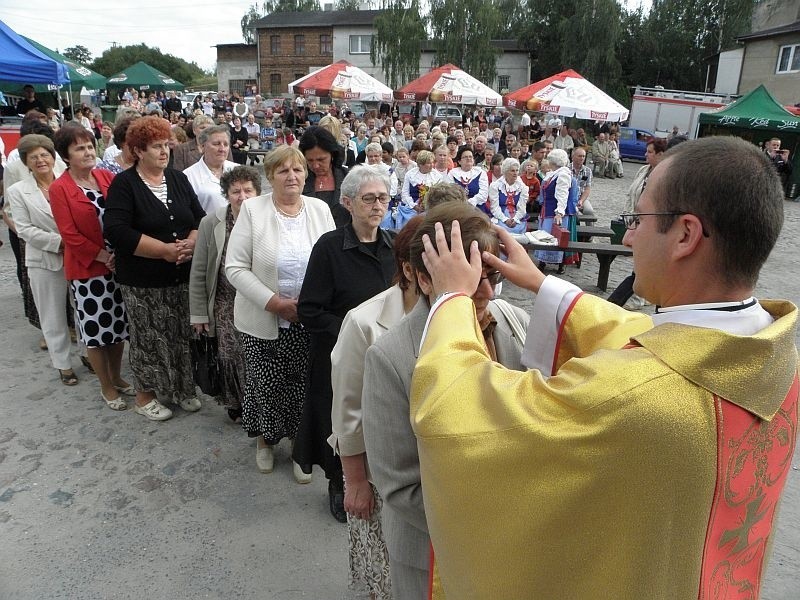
(266, 263)
(30, 206)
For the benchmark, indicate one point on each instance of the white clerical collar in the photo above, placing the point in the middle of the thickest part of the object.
(725, 306)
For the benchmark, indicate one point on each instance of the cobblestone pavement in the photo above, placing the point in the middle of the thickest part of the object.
(96, 504)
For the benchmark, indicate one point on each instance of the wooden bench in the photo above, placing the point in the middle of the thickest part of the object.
(255, 155)
(533, 223)
(586, 232)
(586, 219)
(606, 253)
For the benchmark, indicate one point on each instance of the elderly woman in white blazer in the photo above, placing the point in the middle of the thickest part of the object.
(30, 207)
(266, 262)
(211, 295)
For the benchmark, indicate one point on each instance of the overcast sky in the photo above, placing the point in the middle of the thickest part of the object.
(187, 29)
(184, 28)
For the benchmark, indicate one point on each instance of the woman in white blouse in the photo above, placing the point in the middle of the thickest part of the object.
(473, 179)
(204, 175)
(508, 196)
(266, 262)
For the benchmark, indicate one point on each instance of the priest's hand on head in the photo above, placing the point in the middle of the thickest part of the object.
(448, 267)
(518, 268)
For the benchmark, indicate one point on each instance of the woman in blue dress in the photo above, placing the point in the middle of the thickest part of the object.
(559, 196)
(472, 179)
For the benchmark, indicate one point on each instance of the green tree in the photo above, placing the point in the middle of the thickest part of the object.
(114, 60)
(684, 33)
(267, 7)
(347, 5)
(251, 16)
(463, 31)
(79, 54)
(397, 43)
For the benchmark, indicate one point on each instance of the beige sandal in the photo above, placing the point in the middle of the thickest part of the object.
(116, 404)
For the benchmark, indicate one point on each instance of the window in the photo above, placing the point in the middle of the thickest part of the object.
(502, 83)
(299, 75)
(325, 44)
(275, 84)
(242, 87)
(789, 59)
(299, 45)
(274, 44)
(360, 44)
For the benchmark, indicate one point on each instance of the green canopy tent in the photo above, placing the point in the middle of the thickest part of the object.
(79, 76)
(142, 76)
(757, 117)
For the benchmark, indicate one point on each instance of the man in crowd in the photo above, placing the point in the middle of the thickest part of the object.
(30, 101)
(172, 103)
(584, 176)
(601, 155)
(779, 159)
(640, 456)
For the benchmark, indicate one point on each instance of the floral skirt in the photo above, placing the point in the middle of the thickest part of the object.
(369, 558)
(158, 325)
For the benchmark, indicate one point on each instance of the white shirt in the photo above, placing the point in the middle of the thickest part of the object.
(111, 153)
(206, 185)
(293, 257)
(414, 178)
(525, 121)
(517, 188)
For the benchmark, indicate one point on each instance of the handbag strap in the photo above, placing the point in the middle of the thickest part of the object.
(513, 321)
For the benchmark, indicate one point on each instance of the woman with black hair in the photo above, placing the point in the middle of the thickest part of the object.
(324, 157)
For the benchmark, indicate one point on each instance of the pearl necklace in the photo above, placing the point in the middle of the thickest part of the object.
(286, 214)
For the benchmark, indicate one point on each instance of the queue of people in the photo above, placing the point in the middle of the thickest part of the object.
(386, 359)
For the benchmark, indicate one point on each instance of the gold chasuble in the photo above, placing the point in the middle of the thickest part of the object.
(649, 466)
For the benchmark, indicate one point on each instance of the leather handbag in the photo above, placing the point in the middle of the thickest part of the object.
(205, 367)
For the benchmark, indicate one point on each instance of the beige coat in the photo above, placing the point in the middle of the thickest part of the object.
(205, 268)
(35, 224)
(251, 263)
(361, 327)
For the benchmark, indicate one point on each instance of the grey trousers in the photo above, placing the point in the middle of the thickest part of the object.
(408, 583)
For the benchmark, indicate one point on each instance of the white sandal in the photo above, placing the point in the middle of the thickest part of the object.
(116, 404)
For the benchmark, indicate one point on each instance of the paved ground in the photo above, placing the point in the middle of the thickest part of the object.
(102, 505)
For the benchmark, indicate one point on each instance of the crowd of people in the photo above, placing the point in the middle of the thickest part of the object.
(352, 309)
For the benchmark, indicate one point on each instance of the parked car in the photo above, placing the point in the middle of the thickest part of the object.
(447, 112)
(187, 98)
(633, 142)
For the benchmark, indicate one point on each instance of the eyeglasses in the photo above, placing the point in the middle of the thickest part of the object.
(632, 220)
(493, 278)
(371, 199)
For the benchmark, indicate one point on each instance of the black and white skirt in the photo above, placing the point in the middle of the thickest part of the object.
(101, 311)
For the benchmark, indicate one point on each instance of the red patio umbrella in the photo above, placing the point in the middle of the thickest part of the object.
(567, 94)
(342, 80)
(450, 84)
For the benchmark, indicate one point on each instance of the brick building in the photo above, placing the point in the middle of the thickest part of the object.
(292, 44)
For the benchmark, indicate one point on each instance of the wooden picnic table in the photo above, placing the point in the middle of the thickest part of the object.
(606, 253)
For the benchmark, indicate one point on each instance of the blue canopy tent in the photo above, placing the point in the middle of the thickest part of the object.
(22, 63)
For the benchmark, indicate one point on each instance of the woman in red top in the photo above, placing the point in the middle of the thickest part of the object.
(77, 200)
(529, 178)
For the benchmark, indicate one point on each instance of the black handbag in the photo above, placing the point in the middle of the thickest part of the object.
(204, 364)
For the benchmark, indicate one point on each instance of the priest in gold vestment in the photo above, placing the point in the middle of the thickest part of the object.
(640, 456)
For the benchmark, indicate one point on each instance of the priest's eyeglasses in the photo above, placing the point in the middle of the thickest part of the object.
(371, 199)
(632, 220)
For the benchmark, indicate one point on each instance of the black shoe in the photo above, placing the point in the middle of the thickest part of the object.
(560, 270)
(336, 499)
(542, 266)
(234, 414)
